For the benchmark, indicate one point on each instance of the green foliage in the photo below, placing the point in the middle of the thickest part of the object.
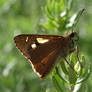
(58, 17)
(22, 16)
(69, 76)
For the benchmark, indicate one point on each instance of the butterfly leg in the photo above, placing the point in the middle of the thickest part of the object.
(77, 52)
(70, 65)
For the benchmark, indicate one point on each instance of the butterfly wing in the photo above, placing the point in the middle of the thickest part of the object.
(41, 50)
(45, 66)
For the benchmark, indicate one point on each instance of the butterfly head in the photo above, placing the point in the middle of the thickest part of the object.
(72, 38)
(73, 35)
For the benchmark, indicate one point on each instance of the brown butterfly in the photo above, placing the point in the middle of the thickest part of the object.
(44, 50)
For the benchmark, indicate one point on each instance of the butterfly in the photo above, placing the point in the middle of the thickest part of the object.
(42, 51)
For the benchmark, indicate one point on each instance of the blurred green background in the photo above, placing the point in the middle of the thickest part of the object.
(23, 16)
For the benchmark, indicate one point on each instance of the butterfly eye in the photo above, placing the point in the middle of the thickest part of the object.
(72, 35)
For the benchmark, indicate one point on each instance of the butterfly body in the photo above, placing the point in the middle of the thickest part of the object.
(44, 50)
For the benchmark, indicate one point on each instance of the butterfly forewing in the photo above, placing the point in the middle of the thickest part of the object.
(41, 50)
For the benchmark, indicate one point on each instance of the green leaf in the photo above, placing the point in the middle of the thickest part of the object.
(86, 76)
(57, 81)
(48, 13)
(62, 64)
(59, 75)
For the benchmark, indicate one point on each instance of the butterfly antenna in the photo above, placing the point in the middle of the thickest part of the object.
(77, 53)
(77, 19)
